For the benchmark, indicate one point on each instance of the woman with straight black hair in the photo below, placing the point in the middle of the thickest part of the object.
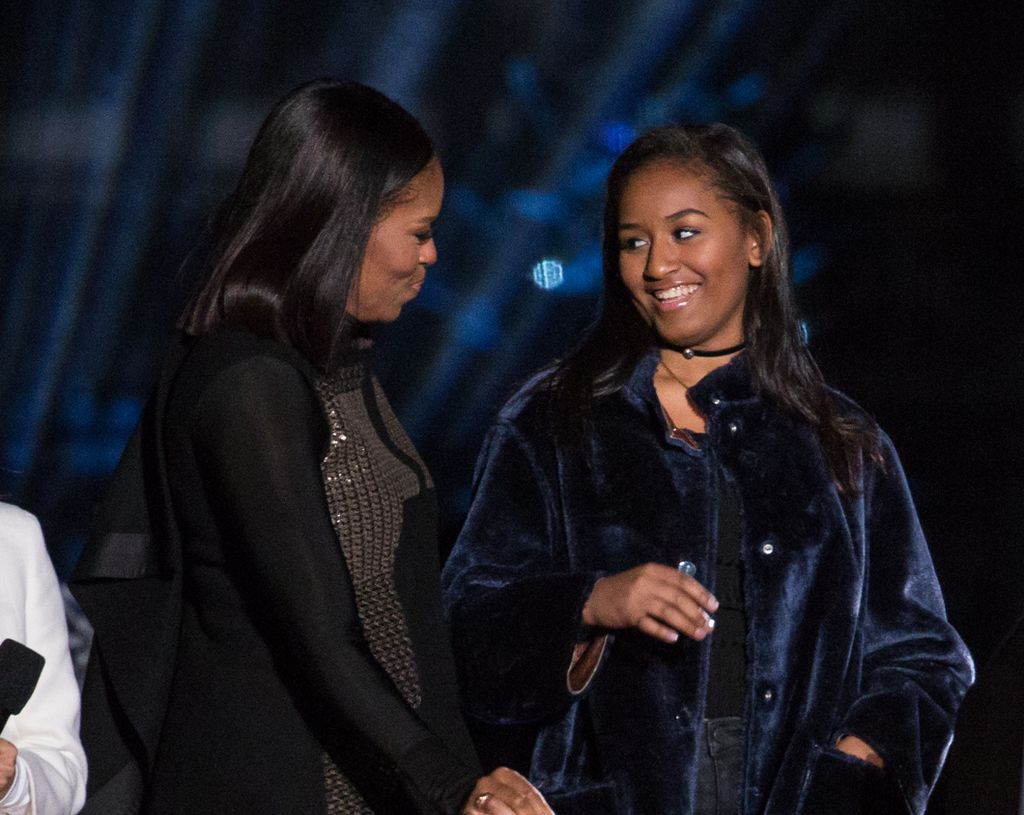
(695, 568)
(264, 581)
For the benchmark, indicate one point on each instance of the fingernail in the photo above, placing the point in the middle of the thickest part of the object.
(712, 603)
(711, 623)
(675, 636)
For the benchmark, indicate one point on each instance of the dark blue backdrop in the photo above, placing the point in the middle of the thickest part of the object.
(895, 131)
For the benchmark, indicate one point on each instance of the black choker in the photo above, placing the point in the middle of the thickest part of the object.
(690, 353)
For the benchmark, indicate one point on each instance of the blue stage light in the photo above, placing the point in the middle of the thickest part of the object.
(588, 175)
(583, 272)
(477, 324)
(521, 79)
(746, 90)
(464, 202)
(16, 457)
(94, 455)
(616, 136)
(78, 410)
(548, 274)
(537, 205)
(123, 412)
(807, 262)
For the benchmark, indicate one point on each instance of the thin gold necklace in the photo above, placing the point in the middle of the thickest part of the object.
(676, 431)
(676, 378)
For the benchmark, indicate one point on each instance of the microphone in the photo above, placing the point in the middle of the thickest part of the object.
(20, 667)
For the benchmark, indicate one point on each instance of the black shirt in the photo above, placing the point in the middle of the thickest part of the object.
(727, 677)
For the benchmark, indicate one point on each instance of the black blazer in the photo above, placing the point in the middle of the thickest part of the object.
(228, 657)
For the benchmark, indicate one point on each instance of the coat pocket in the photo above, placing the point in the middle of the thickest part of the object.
(839, 784)
(595, 799)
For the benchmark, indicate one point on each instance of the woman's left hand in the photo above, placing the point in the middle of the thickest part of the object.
(859, 748)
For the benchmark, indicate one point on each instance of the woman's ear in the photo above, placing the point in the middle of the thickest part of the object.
(760, 239)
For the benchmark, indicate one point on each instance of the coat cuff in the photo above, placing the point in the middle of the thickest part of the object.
(437, 776)
(515, 645)
(17, 795)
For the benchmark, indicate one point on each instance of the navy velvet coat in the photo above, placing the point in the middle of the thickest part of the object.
(847, 629)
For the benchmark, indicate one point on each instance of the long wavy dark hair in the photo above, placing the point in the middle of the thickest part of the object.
(782, 367)
(327, 163)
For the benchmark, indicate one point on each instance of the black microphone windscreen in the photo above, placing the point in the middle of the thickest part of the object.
(20, 667)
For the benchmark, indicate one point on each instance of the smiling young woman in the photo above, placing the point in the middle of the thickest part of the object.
(694, 564)
(685, 257)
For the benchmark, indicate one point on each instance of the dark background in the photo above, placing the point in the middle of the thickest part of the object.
(895, 131)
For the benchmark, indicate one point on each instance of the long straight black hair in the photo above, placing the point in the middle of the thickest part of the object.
(782, 367)
(327, 163)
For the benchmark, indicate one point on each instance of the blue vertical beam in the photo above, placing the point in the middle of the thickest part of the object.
(45, 68)
(47, 365)
(404, 52)
(156, 119)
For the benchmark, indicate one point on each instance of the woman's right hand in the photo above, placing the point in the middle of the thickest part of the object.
(505, 792)
(8, 756)
(654, 598)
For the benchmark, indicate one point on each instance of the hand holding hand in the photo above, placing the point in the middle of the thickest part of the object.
(8, 753)
(505, 792)
(655, 598)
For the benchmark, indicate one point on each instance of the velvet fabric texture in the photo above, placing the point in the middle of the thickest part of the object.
(847, 628)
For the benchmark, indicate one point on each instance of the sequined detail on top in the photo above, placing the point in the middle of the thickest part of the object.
(341, 795)
(366, 486)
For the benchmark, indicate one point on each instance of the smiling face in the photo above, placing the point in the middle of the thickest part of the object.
(685, 255)
(400, 248)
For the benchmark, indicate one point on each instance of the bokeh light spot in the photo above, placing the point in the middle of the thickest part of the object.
(548, 274)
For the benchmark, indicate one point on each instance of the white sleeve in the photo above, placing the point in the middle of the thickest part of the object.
(16, 800)
(46, 730)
